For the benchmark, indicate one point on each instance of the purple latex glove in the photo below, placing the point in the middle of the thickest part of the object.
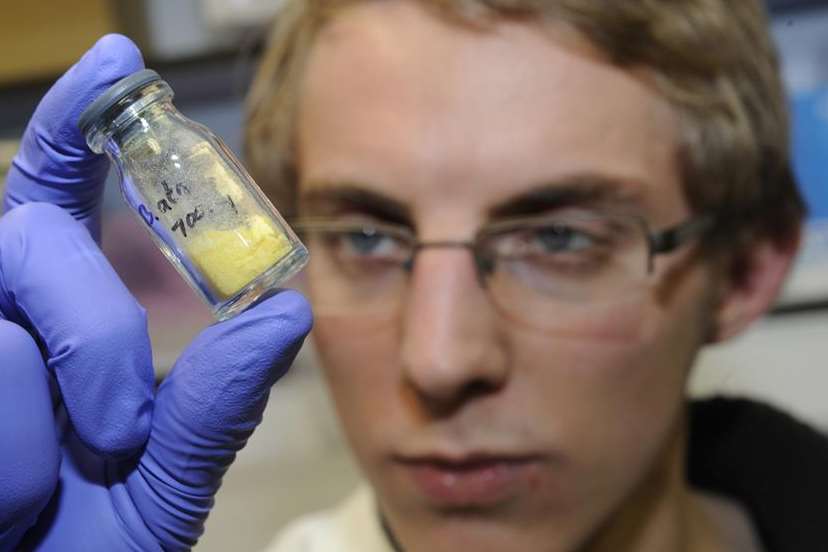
(53, 164)
(102, 471)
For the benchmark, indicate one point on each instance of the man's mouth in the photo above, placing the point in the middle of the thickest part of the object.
(470, 481)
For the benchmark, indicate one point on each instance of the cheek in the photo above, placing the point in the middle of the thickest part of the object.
(609, 401)
(603, 391)
(359, 356)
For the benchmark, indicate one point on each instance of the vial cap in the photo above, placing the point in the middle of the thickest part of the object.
(113, 95)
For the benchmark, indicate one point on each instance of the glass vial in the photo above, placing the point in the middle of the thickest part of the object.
(199, 204)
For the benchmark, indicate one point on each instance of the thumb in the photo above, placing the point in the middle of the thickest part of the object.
(207, 408)
(29, 464)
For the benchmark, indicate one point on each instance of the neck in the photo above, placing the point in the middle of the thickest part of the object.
(663, 513)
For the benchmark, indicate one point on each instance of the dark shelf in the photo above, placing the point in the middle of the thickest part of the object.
(195, 81)
(786, 6)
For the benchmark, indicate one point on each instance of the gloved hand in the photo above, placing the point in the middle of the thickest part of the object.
(113, 466)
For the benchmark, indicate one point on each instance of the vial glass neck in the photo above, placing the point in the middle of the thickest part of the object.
(148, 102)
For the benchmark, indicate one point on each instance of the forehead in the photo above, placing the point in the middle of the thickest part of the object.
(399, 99)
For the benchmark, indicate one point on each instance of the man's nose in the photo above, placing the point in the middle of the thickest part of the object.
(452, 346)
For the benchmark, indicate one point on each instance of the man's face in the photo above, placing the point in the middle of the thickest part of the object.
(476, 430)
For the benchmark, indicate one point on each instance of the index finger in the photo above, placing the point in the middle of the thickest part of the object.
(54, 164)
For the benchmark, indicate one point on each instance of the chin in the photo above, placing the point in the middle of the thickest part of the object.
(467, 531)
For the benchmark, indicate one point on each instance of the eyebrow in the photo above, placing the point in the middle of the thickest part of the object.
(571, 191)
(328, 199)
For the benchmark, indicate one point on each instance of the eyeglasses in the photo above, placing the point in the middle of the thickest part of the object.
(537, 270)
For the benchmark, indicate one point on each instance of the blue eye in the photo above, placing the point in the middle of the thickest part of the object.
(555, 239)
(570, 248)
(558, 240)
(369, 243)
(364, 242)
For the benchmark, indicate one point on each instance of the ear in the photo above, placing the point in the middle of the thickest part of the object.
(747, 295)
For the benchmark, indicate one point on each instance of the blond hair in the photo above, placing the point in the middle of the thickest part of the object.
(713, 60)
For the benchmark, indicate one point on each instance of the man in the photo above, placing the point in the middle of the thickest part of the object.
(525, 219)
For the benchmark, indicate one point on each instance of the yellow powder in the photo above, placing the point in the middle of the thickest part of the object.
(231, 259)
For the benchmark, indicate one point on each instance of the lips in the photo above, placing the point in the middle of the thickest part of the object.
(470, 482)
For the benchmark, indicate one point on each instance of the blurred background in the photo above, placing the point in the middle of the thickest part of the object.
(296, 462)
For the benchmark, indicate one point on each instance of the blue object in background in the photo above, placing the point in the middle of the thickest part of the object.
(809, 112)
